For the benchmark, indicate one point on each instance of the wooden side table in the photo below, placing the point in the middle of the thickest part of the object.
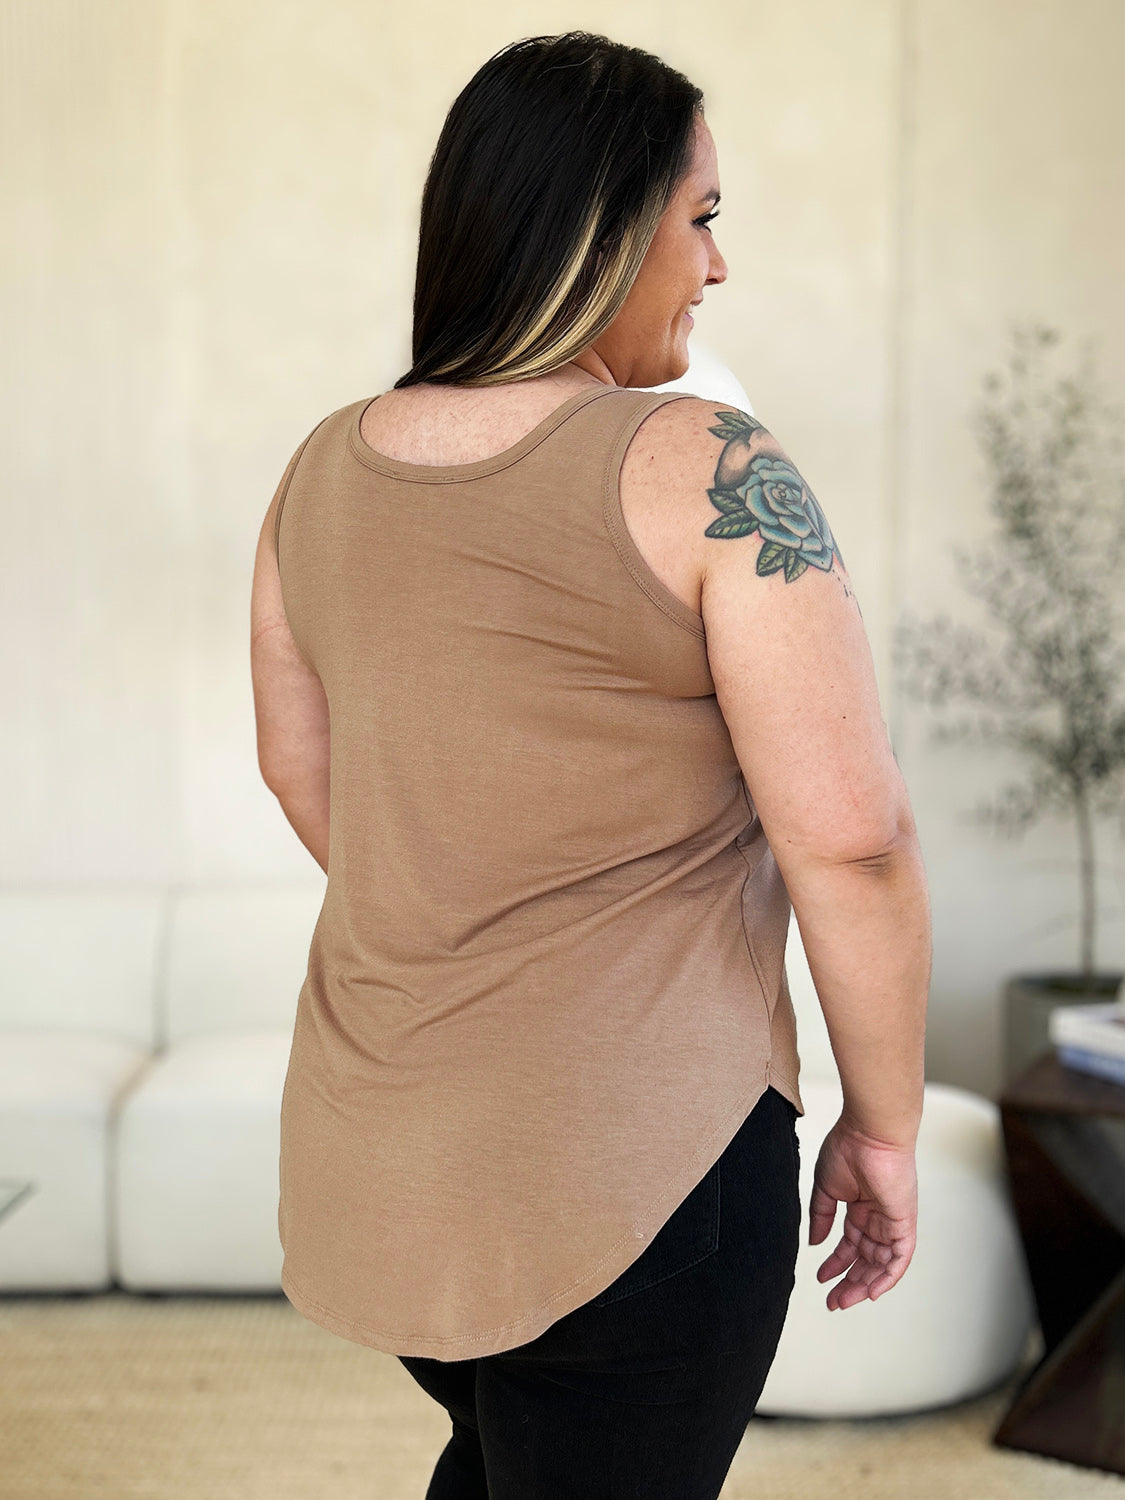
(1064, 1138)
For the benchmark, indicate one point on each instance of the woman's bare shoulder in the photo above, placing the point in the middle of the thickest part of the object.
(667, 472)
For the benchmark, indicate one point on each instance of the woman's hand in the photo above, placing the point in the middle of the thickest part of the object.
(879, 1183)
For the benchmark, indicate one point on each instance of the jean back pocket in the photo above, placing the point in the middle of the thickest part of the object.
(688, 1236)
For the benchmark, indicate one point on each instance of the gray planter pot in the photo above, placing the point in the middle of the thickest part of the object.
(1029, 1000)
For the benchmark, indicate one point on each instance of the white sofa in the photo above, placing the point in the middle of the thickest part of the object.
(144, 1039)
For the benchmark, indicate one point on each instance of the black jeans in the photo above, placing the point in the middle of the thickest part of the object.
(646, 1389)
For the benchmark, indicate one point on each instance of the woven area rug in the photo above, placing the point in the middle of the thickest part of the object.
(225, 1398)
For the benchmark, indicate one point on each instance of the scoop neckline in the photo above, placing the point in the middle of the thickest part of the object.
(399, 468)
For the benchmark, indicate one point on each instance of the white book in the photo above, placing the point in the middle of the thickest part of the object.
(1092, 1028)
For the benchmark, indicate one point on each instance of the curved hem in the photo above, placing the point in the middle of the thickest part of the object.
(523, 1330)
(784, 1085)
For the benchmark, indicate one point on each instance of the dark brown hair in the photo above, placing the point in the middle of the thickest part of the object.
(553, 169)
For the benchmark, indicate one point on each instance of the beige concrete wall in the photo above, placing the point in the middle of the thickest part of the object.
(210, 210)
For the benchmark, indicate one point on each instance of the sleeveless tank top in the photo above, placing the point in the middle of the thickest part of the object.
(546, 984)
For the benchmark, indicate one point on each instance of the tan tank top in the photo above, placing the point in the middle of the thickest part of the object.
(546, 985)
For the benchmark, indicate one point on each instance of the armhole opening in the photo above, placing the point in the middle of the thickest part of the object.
(656, 589)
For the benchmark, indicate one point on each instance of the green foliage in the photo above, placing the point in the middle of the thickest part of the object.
(1048, 682)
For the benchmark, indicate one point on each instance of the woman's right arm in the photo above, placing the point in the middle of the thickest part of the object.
(795, 681)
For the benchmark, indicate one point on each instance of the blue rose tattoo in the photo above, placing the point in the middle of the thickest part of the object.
(764, 493)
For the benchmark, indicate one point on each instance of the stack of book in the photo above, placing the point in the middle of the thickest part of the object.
(1091, 1038)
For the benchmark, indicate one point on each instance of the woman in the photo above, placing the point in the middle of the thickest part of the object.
(601, 707)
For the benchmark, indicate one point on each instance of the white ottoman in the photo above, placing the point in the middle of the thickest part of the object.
(958, 1322)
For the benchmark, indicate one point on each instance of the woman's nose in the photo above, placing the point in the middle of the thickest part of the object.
(718, 269)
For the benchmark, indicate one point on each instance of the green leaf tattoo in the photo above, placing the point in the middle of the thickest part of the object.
(762, 493)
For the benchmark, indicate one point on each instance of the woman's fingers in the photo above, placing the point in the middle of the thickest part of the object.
(868, 1279)
(822, 1214)
(840, 1259)
(855, 1285)
(850, 1246)
(872, 1268)
(877, 1184)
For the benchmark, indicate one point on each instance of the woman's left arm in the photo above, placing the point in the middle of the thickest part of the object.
(290, 705)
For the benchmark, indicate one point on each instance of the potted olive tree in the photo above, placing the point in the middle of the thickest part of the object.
(1048, 681)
